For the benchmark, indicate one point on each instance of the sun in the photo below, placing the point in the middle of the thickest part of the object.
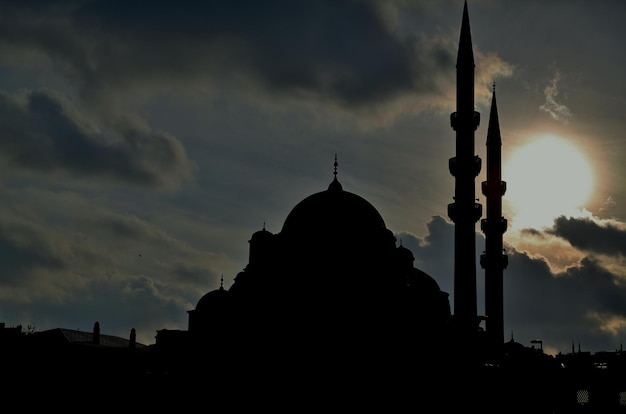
(547, 177)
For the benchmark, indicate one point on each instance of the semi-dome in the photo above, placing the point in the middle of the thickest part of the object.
(333, 211)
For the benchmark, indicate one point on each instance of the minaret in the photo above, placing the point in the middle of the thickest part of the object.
(465, 211)
(493, 260)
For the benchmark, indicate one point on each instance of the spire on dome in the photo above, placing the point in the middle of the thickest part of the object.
(335, 185)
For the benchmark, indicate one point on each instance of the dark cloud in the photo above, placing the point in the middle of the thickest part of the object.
(42, 132)
(187, 270)
(571, 306)
(73, 272)
(532, 233)
(22, 249)
(596, 287)
(587, 235)
(345, 51)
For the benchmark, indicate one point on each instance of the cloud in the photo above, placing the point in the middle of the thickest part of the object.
(434, 251)
(338, 50)
(44, 133)
(490, 67)
(24, 248)
(608, 203)
(556, 110)
(78, 261)
(344, 57)
(585, 300)
(344, 52)
(577, 304)
(607, 238)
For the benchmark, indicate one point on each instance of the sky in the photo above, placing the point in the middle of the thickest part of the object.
(143, 143)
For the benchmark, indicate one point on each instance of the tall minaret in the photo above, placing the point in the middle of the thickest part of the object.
(494, 261)
(465, 211)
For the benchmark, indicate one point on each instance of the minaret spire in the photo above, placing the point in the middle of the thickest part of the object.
(465, 52)
(465, 167)
(493, 131)
(493, 260)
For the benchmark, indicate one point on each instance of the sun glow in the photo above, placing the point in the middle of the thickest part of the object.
(546, 178)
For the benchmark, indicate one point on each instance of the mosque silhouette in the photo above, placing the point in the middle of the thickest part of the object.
(331, 312)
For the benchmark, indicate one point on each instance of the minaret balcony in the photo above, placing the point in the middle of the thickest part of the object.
(477, 165)
(454, 120)
(504, 261)
(477, 212)
(452, 212)
(485, 261)
(452, 166)
(503, 224)
(490, 226)
(493, 188)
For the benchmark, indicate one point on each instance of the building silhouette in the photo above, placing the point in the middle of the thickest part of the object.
(332, 295)
(330, 311)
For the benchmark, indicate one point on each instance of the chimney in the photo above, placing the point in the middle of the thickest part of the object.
(133, 339)
(96, 333)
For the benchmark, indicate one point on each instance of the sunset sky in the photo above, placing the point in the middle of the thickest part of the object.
(143, 143)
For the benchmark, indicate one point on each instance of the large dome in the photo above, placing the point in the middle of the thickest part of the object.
(333, 211)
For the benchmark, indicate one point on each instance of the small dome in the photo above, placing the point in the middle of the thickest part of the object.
(421, 280)
(261, 235)
(212, 299)
(405, 255)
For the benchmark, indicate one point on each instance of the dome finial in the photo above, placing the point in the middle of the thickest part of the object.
(335, 185)
(222, 281)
